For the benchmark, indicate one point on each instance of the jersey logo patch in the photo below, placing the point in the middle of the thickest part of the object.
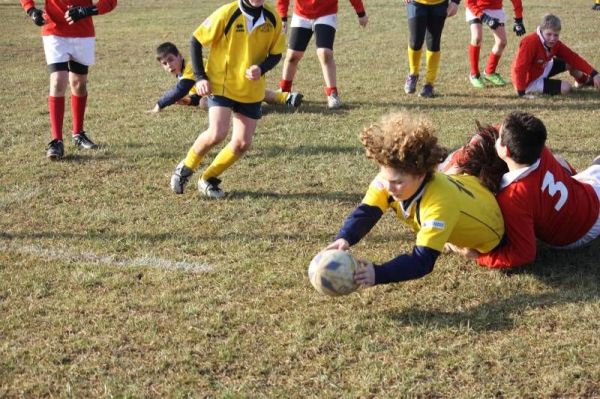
(434, 224)
(206, 23)
(239, 27)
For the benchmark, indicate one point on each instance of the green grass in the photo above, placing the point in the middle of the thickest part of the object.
(81, 316)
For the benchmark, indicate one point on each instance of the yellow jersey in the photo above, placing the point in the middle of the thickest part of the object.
(236, 43)
(455, 209)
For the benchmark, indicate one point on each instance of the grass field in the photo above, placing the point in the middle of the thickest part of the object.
(112, 286)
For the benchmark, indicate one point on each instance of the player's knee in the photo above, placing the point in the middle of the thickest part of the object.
(79, 87)
(293, 57)
(501, 43)
(565, 87)
(240, 146)
(325, 55)
(476, 40)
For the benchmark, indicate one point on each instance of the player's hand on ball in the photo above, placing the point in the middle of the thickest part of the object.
(518, 27)
(340, 243)
(253, 73)
(37, 16)
(203, 87)
(363, 21)
(364, 274)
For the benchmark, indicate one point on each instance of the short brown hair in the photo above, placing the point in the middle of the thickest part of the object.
(405, 142)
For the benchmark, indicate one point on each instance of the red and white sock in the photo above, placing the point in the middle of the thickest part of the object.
(329, 90)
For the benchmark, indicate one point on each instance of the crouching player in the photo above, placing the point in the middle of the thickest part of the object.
(246, 41)
(541, 55)
(539, 196)
(438, 207)
(185, 93)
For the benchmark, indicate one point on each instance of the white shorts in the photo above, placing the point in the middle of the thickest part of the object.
(301, 22)
(63, 49)
(537, 86)
(498, 14)
(589, 176)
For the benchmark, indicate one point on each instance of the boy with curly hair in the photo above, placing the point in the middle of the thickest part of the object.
(438, 207)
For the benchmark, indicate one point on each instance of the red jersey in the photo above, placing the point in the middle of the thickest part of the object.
(541, 201)
(55, 17)
(313, 9)
(477, 7)
(532, 57)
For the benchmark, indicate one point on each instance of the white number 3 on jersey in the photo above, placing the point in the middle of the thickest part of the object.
(555, 188)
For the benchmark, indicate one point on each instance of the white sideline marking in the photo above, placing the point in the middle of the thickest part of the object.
(90, 257)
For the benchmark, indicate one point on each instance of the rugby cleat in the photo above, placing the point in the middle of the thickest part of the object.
(81, 140)
(495, 79)
(55, 150)
(410, 85)
(210, 188)
(476, 81)
(334, 101)
(294, 99)
(180, 177)
(427, 91)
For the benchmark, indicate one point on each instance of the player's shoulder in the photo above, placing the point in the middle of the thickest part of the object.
(271, 15)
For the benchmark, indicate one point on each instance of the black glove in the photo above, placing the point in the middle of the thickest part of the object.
(37, 16)
(78, 12)
(493, 23)
(518, 27)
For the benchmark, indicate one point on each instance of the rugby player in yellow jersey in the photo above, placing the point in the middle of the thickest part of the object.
(246, 41)
(184, 93)
(438, 207)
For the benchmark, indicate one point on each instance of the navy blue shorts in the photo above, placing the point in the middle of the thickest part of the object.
(251, 110)
(419, 10)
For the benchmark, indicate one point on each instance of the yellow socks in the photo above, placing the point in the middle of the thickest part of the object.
(281, 97)
(433, 64)
(223, 160)
(414, 61)
(192, 160)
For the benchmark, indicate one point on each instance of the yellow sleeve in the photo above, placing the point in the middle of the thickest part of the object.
(377, 195)
(279, 44)
(211, 29)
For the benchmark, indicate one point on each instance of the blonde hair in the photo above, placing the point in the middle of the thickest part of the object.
(405, 142)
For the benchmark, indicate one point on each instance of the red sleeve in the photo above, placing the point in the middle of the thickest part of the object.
(27, 4)
(521, 246)
(358, 6)
(573, 59)
(282, 7)
(105, 6)
(474, 8)
(518, 8)
(522, 63)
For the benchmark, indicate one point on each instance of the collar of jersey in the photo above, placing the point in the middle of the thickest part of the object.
(249, 18)
(539, 33)
(518, 174)
(407, 204)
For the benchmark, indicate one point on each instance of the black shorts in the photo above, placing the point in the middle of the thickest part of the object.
(552, 86)
(300, 37)
(251, 110)
(71, 66)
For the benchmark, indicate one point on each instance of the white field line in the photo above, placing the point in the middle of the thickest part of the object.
(109, 260)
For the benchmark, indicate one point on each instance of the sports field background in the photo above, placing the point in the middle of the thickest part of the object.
(112, 286)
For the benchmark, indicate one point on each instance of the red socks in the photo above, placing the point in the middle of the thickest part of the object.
(329, 90)
(492, 63)
(474, 59)
(78, 111)
(56, 108)
(285, 85)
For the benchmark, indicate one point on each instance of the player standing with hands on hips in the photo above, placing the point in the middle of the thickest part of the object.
(320, 17)
(246, 41)
(491, 14)
(70, 48)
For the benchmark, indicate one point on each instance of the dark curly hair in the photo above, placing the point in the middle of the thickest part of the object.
(405, 142)
(479, 158)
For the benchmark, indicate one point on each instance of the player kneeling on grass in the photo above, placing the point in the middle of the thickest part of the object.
(540, 195)
(246, 41)
(439, 208)
(185, 93)
(542, 55)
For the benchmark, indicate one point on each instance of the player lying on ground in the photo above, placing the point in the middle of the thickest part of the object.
(540, 196)
(542, 55)
(185, 93)
(438, 207)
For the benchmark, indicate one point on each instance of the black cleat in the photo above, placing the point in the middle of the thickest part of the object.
(55, 150)
(82, 141)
